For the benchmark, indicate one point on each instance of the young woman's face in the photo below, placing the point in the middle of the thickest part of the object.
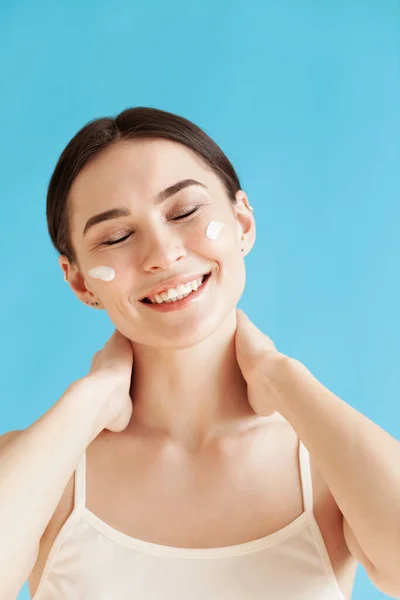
(157, 240)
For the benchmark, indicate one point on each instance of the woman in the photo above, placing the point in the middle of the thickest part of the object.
(166, 472)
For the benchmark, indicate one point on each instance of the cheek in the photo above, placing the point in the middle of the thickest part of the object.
(217, 236)
(223, 239)
(214, 229)
(103, 272)
(109, 279)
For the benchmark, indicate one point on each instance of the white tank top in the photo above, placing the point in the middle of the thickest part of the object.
(90, 560)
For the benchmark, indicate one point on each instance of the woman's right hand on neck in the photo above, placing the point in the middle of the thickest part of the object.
(111, 374)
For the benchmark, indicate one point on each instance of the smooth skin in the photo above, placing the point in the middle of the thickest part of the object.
(176, 453)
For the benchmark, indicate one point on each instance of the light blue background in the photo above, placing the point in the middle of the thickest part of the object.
(303, 96)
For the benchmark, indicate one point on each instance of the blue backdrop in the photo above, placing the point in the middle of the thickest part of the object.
(303, 96)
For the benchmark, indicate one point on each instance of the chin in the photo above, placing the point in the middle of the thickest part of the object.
(215, 318)
(218, 324)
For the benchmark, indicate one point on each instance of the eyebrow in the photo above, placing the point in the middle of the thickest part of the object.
(125, 212)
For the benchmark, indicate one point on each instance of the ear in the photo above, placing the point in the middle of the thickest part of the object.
(78, 283)
(246, 224)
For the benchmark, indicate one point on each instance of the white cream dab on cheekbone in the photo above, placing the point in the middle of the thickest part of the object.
(103, 273)
(213, 229)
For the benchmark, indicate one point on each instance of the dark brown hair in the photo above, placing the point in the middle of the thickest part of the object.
(130, 124)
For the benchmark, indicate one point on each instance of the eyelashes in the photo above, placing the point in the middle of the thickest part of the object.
(129, 232)
(188, 214)
(117, 241)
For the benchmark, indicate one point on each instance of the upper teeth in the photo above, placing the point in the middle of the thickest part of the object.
(173, 294)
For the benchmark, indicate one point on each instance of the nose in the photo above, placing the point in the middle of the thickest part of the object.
(162, 250)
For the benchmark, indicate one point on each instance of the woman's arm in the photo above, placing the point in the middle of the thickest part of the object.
(36, 464)
(360, 463)
(35, 467)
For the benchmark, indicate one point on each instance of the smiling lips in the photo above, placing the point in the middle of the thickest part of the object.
(175, 288)
(173, 294)
(178, 302)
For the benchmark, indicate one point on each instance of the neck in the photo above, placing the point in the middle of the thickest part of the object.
(190, 395)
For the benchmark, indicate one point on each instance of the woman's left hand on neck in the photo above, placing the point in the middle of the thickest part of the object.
(263, 367)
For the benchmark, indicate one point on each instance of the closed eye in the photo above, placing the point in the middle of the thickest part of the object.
(117, 241)
(125, 237)
(191, 212)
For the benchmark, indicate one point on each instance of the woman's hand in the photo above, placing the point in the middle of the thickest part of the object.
(111, 374)
(262, 366)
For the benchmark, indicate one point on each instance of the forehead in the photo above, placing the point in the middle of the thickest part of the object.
(130, 170)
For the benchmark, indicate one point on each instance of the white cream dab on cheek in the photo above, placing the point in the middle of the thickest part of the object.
(213, 229)
(103, 273)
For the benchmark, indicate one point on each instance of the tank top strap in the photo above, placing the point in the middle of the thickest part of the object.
(305, 476)
(80, 483)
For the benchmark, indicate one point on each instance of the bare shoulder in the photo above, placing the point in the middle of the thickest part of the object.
(329, 519)
(59, 517)
(54, 526)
